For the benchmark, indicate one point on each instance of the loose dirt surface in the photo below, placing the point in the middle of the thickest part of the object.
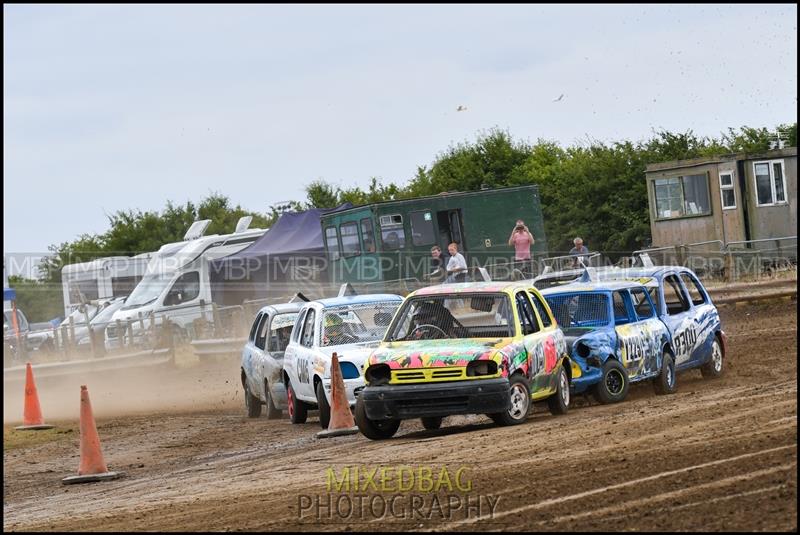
(718, 455)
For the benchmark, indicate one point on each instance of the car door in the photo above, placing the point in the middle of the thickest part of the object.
(538, 365)
(653, 329)
(705, 318)
(304, 357)
(259, 355)
(249, 352)
(676, 314)
(554, 343)
(291, 354)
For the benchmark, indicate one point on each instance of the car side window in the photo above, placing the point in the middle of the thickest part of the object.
(252, 336)
(641, 304)
(298, 326)
(527, 317)
(695, 289)
(308, 330)
(621, 316)
(674, 296)
(541, 308)
(261, 336)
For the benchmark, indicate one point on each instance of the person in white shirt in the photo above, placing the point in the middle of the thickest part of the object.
(456, 266)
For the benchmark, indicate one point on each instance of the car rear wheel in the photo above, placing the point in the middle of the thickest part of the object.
(558, 403)
(374, 429)
(431, 422)
(520, 403)
(713, 368)
(324, 407)
(613, 386)
(665, 382)
(298, 411)
(252, 403)
(273, 412)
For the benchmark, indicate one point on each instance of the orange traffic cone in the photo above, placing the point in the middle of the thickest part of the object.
(341, 422)
(32, 412)
(92, 467)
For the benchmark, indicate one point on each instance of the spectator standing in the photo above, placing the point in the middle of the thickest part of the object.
(580, 251)
(456, 266)
(522, 240)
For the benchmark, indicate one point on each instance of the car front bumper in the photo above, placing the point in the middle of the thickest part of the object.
(478, 396)
(351, 387)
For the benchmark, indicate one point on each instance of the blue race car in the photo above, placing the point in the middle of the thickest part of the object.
(614, 337)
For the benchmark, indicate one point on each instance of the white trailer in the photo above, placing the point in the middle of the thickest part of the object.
(101, 279)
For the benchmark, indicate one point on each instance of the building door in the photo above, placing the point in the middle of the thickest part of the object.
(450, 229)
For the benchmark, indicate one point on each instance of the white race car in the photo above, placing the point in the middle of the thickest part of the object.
(350, 326)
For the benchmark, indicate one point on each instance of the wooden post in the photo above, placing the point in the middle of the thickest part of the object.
(65, 341)
(71, 332)
(90, 332)
(215, 315)
(153, 339)
(141, 321)
(729, 275)
(130, 332)
(120, 334)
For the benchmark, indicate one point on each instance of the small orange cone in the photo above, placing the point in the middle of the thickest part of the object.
(32, 412)
(341, 422)
(92, 467)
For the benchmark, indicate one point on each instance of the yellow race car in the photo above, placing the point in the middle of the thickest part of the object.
(473, 348)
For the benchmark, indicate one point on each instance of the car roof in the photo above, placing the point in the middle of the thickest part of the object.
(357, 299)
(602, 286)
(473, 287)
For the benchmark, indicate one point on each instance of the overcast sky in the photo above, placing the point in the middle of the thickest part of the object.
(114, 107)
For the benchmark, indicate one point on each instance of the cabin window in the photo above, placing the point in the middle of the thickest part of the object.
(422, 232)
(350, 243)
(726, 191)
(332, 242)
(770, 182)
(393, 235)
(674, 296)
(252, 336)
(368, 235)
(641, 304)
(682, 196)
(693, 286)
(541, 308)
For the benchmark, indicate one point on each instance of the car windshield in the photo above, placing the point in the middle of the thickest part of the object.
(351, 324)
(148, 289)
(454, 316)
(105, 314)
(579, 310)
(79, 317)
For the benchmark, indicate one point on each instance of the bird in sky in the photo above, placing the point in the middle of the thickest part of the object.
(461, 108)
(559, 98)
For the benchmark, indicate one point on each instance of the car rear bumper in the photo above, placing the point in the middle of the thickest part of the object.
(479, 396)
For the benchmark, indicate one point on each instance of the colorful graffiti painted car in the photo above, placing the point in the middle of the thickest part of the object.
(351, 327)
(614, 336)
(262, 359)
(472, 348)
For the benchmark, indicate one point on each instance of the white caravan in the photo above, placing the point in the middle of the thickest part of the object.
(177, 277)
(101, 279)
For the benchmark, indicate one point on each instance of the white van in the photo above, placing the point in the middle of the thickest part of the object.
(101, 279)
(177, 278)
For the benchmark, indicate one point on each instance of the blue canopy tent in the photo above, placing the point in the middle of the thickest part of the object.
(291, 253)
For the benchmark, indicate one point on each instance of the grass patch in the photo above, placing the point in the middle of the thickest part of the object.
(13, 439)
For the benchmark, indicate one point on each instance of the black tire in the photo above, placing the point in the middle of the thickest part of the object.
(520, 394)
(713, 368)
(252, 403)
(374, 429)
(298, 411)
(431, 422)
(273, 412)
(613, 386)
(324, 407)
(558, 403)
(665, 382)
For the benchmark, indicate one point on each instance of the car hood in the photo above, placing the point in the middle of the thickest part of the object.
(355, 353)
(436, 353)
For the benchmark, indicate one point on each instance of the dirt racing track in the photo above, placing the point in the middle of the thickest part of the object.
(718, 455)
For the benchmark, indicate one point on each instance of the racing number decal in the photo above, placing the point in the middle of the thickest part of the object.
(633, 349)
(302, 370)
(684, 340)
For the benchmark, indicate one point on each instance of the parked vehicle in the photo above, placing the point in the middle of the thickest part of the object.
(475, 348)
(33, 339)
(351, 327)
(262, 359)
(177, 280)
(614, 337)
(99, 319)
(101, 279)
